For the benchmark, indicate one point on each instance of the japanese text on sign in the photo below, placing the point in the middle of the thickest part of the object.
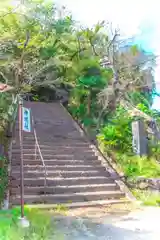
(26, 119)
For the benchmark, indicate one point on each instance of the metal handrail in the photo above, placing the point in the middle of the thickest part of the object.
(40, 153)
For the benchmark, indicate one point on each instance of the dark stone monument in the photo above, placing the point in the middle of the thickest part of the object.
(139, 138)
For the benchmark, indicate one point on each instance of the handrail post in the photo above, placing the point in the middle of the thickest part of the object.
(21, 158)
(35, 153)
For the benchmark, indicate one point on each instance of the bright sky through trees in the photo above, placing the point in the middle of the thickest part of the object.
(132, 17)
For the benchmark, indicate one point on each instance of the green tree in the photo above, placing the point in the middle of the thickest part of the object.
(34, 48)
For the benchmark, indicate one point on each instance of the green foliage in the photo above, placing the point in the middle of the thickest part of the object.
(116, 134)
(35, 98)
(3, 177)
(41, 225)
(5, 102)
(42, 50)
(134, 50)
(83, 102)
(135, 166)
(78, 112)
(7, 115)
(148, 198)
(33, 43)
(91, 82)
(151, 112)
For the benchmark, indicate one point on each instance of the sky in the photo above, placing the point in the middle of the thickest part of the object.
(136, 17)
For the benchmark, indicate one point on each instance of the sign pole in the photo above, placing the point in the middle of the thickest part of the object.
(21, 158)
(24, 125)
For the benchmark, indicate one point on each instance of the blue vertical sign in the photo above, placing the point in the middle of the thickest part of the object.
(26, 119)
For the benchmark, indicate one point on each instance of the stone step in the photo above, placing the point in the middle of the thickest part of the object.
(63, 174)
(68, 197)
(53, 147)
(44, 140)
(62, 151)
(62, 181)
(16, 162)
(50, 145)
(61, 168)
(31, 156)
(98, 203)
(75, 175)
(60, 132)
(66, 189)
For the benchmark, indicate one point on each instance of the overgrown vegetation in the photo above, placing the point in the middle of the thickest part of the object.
(109, 82)
(7, 118)
(147, 197)
(41, 225)
(3, 177)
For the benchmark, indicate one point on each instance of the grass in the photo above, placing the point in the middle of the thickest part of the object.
(3, 177)
(131, 165)
(135, 166)
(41, 225)
(147, 197)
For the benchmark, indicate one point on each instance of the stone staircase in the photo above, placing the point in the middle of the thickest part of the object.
(75, 176)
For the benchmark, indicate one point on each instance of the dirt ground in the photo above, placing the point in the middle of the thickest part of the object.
(116, 222)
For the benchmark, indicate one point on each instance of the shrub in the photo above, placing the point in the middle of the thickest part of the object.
(147, 197)
(135, 166)
(40, 225)
(3, 177)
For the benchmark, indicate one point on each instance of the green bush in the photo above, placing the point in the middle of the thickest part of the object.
(117, 135)
(135, 166)
(40, 225)
(3, 177)
(154, 150)
(147, 197)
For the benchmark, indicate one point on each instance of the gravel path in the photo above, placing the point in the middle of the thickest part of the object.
(137, 225)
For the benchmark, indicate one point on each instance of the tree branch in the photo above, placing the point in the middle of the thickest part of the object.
(6, 80)
(25, 45)
(11, 12)
(93, 47)
(77, 52)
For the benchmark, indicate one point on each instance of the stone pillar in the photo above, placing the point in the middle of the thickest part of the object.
(139, 138)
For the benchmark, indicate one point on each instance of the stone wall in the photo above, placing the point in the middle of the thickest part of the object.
(142, 183)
